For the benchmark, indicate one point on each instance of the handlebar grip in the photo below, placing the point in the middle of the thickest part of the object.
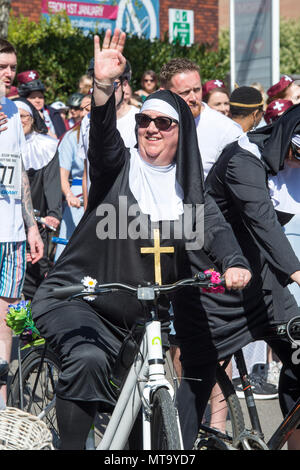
(62, 241)
(65, 292)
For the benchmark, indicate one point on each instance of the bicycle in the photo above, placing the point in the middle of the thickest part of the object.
(138, 377)
(241, 437)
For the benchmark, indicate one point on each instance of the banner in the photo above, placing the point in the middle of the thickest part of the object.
(140, 17)
(87, 10)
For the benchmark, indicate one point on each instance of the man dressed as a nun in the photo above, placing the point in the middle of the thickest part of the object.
(162, 177)
(239, 183)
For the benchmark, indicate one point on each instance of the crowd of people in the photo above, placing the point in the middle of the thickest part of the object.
(173, 144)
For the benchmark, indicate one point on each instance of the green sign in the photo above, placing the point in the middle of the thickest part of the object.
(181, 31)
(181, 26)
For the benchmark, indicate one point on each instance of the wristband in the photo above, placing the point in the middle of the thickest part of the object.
(103, 85)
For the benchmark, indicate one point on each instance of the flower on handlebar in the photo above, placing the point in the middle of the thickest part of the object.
(90, 284)
(19, 319)
(215, 278)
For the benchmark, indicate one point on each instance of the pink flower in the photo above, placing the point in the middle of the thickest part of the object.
(215, 279)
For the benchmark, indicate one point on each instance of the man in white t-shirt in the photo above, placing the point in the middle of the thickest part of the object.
(16, 211)
(214, 130)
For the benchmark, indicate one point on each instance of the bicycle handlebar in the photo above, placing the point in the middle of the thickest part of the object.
(148, 292)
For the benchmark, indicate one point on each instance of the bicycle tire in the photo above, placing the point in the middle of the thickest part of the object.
(214, 440)
(164, 428)
(45, 391)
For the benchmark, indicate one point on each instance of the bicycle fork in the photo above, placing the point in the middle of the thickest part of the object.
(156, 380)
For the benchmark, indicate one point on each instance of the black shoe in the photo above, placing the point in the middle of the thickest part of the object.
(260, 388)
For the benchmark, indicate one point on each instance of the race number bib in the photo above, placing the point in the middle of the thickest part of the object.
(10, 175)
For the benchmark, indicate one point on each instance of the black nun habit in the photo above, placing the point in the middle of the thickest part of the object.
(88, 335)
(238, 182)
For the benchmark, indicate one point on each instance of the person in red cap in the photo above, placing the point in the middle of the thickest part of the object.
(31, 87)
(215, 94)
(285, 89)
(275, 109)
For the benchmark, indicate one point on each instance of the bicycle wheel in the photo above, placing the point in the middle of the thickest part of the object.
(38, 382)
(164, 427)
(212, 439)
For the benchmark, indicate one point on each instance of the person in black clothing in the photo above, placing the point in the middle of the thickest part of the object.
(238, 182)
(162, 179)
(42, 166)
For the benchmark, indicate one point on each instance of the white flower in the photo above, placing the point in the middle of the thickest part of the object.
(89, 282)
(90, 285)
(89, 298)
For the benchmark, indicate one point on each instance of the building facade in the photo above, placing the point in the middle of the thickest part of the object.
(289, 9)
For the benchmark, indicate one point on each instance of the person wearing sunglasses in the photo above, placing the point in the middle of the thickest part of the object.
(239, 183)
(134, 194)
(149, 84)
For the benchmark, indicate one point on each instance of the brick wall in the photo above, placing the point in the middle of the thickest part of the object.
(206, 18)
(206, 15)
(30, 8)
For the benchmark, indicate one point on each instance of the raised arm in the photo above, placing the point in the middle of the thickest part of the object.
(109, 64)
(107, 152)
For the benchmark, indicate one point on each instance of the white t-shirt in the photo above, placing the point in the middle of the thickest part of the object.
(126, 127)
(285, 190)
(12, 146)
(214, 132)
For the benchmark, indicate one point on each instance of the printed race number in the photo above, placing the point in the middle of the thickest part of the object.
(10, 176)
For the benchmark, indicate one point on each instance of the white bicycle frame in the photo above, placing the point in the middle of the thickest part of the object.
(146, 375)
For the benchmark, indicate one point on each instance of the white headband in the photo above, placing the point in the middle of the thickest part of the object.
(24, 106)
(296, 139)
(162, 106)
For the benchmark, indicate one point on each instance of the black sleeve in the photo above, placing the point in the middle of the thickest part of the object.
(107, 152)
(52, 188)
(246, 183)
(283, 217)
(220, 247)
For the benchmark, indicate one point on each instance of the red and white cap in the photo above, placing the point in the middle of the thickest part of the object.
(211, 85)
(27, 76)
(275, 109)
(283, 83)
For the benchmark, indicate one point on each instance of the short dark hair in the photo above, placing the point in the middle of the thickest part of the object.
(174, 66)
(244, 100)
(6, 47)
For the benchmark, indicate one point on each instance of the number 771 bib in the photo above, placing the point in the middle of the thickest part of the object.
(10, 175)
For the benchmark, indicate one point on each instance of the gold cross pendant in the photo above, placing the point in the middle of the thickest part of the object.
(157, 250)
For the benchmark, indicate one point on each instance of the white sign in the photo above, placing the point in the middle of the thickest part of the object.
(254, 42)
(181, 26)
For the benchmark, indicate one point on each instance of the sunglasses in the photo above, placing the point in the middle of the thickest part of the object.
(162, 123)
(295, 151)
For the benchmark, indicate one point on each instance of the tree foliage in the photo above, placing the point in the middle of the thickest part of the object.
(289, 46)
